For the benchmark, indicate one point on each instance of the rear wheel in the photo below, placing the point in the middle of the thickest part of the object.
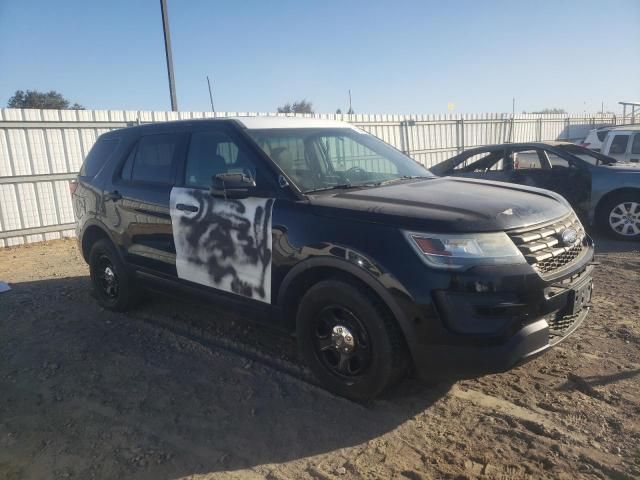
(619, 216)
(113, 284)
(349, 340)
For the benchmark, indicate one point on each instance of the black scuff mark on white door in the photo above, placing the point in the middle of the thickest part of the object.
(226, 244)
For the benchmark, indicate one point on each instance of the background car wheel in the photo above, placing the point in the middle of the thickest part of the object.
(619, 217)
(349, 340)
(114, 286)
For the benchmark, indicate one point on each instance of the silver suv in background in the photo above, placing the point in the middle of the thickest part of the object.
(623, 143)
(596, 136)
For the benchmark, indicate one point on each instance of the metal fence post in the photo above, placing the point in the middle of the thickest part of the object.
(404, 135)
(540, 129)
(403, 139)
(511, 125)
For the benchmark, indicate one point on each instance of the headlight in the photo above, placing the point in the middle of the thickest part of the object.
(461, 251)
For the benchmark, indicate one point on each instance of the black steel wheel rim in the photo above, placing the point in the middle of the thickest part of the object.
(107, 277)
(341, 342)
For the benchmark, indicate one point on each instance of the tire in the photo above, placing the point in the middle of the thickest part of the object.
(113, 284)
(619, 216)
(335, 317)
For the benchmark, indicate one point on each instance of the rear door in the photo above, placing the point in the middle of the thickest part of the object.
(138, 198)
(223, 243)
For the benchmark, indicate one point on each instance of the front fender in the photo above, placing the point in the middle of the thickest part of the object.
(383, 284)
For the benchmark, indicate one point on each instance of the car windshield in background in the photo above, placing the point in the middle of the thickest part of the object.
(322, 158)
(589, 156)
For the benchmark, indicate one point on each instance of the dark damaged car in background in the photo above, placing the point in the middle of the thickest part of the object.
(603, 191)
(377, 266)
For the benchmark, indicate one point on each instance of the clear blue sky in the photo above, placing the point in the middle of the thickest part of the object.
(395, 56)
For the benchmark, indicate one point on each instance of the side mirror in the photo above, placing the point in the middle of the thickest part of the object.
(231, 185)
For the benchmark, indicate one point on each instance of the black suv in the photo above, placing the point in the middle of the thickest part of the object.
(324, 230)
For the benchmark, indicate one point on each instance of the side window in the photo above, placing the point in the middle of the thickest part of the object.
(527, 160)
(619, 144)
(215, 152)
(557, 161)
(471, 159)
(483, 162)
(127, 168)
(153, 162)
(98, 156)
(229, 151)
(635, 146)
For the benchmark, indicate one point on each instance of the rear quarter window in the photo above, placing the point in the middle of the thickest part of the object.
(98, 156)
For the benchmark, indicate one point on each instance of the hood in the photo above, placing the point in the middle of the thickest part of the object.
(445, 204)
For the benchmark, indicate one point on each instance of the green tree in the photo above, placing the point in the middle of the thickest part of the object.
(338, 112)
(551, 110)
(35, 99)
(300, 106)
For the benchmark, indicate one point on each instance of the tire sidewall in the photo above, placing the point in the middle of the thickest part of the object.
(123, 299)
(380, 371)
(606, 209)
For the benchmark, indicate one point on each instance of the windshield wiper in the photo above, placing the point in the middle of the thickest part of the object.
(340, 186)
(345, 186)
(398, 179)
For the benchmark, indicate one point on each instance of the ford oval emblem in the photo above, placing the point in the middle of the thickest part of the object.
(569, 236)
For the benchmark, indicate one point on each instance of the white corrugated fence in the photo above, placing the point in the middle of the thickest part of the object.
(41, 150)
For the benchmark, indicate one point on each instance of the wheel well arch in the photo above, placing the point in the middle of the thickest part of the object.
(301, 278)
(91, 235)
(614, 193)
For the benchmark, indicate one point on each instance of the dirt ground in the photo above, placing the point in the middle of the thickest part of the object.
(178, 389)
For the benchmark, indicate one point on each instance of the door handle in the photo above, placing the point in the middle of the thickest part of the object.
(113, 196)
(187, 208)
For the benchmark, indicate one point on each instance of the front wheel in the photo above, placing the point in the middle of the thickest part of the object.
(349, 341)
(619, 217)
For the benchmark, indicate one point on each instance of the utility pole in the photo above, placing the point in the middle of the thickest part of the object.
(210, 95)
(513, 106)
(350, 109)
(169, 55)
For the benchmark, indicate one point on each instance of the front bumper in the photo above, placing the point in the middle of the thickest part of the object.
(488, 332)
(440, 362)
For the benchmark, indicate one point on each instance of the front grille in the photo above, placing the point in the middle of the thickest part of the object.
(553, 263)
(543, 248)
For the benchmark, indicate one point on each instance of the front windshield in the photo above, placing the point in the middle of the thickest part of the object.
(323, 158)
(589, 156)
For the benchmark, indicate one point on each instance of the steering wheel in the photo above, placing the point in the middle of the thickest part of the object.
(356, 173)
